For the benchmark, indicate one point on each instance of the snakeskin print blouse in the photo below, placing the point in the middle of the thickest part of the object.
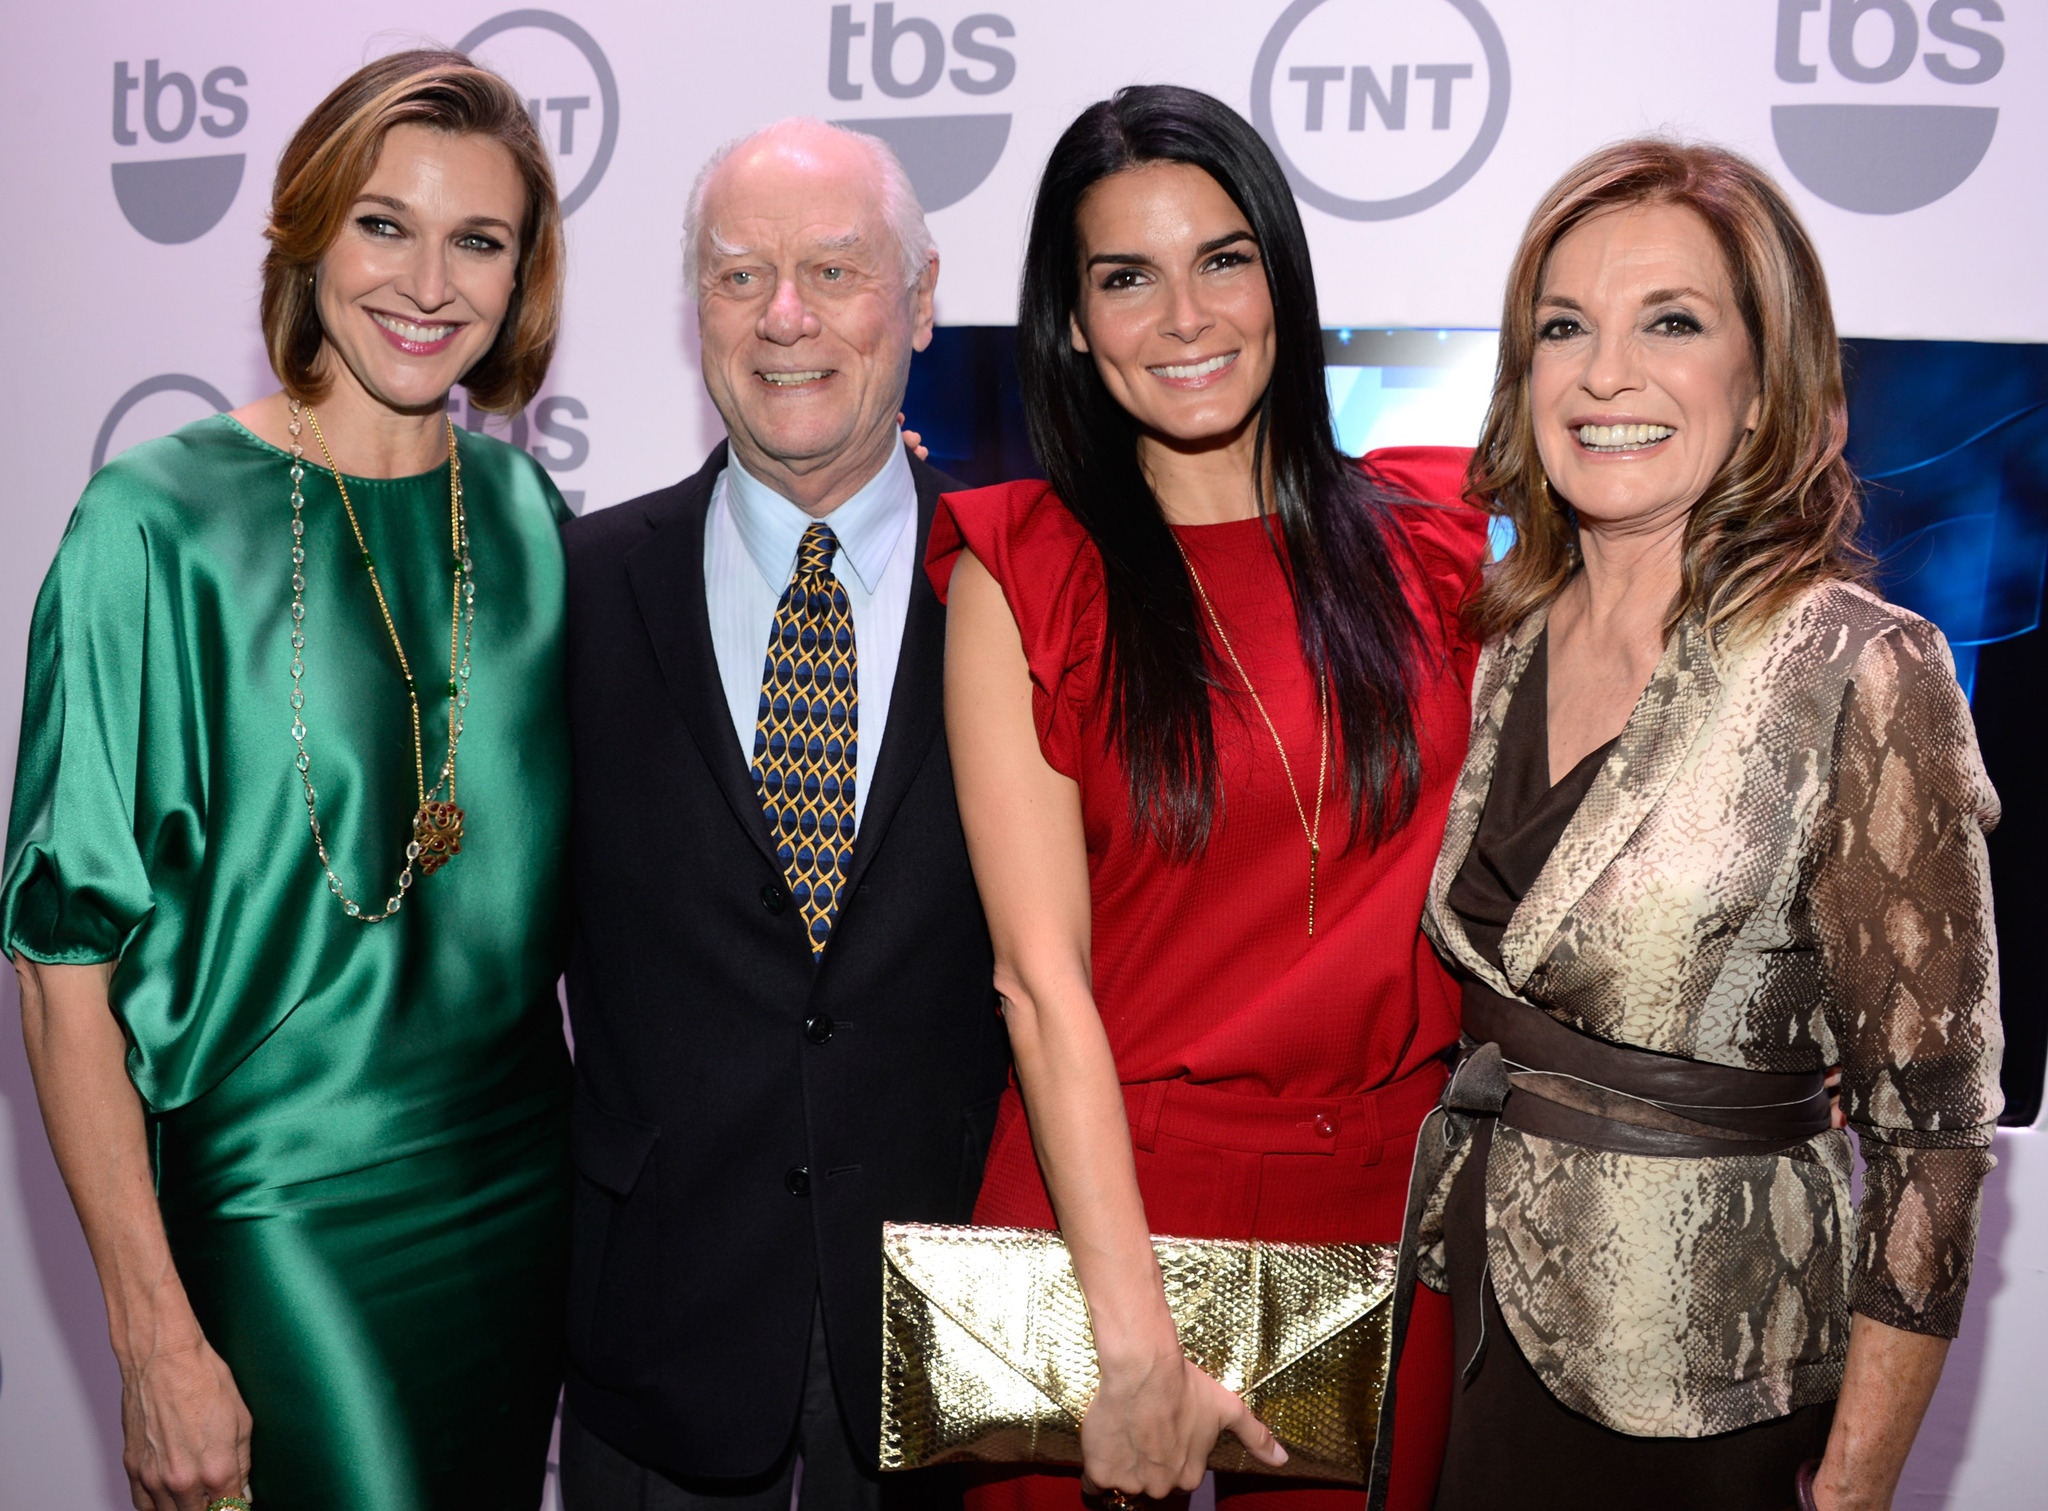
(1781, 866)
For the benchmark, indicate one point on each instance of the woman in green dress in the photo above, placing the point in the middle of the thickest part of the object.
(287, 940)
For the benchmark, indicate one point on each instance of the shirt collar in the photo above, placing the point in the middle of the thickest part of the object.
(867, 524)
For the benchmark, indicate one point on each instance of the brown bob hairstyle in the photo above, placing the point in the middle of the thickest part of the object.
(332, 156)
(1785, 511)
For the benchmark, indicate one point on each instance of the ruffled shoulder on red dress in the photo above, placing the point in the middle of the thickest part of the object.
(1446, 533)
(1021, 521)
(1051, 578)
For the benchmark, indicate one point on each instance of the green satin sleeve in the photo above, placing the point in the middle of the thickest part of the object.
(358, 1133)
(76, 888)
(159, 819)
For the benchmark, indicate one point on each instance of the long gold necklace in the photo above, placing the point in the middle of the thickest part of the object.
(437, 825)
(1311, 828)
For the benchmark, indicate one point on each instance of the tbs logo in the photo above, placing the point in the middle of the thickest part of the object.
(532, 429)
(177, 199)
(1380, 108)
(159, 405)
(1917, 143)
(905, 58)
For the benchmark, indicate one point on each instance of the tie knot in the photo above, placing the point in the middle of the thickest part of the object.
(814, 555)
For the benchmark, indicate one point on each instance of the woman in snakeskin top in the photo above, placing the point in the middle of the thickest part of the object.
(1721, 829)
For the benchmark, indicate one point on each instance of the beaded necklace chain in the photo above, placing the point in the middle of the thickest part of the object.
(1311, 830)
(437, 823)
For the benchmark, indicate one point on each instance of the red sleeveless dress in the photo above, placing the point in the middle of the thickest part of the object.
(1274, 1081)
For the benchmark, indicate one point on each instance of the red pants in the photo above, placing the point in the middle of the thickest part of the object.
(1216, 1165)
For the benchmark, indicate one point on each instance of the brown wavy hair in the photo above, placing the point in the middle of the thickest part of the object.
(1785, 511)
(332, 156)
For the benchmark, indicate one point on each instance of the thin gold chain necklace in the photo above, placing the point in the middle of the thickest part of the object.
(1311, 829)
(437, 822)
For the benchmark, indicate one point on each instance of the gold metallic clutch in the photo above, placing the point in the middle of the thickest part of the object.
(987, 1352)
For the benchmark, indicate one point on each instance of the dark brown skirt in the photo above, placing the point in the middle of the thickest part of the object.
(1513, 1447)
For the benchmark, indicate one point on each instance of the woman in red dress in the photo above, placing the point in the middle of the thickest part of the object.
(1206, 696)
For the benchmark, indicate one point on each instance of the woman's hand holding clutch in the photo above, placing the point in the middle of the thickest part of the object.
(1154, 1423)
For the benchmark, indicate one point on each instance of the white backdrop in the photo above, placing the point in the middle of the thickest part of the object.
(1419, 133)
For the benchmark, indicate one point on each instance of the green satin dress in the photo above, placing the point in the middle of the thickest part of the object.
(360, 1133)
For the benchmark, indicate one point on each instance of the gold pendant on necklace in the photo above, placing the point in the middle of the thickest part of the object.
(1311, 830)
(437, 826)
(437, 830)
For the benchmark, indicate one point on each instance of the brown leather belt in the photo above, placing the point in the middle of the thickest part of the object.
(1567, 1085)
(1522, 1068)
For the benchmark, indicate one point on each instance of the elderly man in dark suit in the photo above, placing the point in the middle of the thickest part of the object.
(781, 984)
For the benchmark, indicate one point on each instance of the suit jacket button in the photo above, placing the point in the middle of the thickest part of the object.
(797, 1181)
(774, 897)
(818, 1029)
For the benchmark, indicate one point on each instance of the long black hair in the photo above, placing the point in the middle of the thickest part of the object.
(1334, 533)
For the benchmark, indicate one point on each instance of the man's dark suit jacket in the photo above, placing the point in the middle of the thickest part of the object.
(745, 1120)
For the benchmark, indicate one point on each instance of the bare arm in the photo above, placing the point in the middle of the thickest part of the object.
(1889, 1379)
(1156, 1417)
(185, 1429)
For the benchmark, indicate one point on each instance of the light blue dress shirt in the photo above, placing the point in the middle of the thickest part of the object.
(751, 537)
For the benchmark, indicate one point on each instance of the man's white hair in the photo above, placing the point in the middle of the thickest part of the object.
(898, 207)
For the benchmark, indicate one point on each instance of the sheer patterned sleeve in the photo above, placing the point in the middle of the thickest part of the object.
(75, 889)
(1902, 903)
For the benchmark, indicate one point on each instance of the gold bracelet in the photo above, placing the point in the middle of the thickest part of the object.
(228, 1503)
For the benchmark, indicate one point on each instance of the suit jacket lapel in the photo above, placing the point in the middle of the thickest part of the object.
(1498, 675)
(667, 575)
(1645, 761)
(915, 702)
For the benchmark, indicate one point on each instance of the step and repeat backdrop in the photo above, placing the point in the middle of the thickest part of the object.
(140, 140)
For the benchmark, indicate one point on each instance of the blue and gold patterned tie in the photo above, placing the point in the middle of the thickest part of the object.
(804, 735)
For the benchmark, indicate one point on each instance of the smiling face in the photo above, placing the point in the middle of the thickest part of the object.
(1643, 380)
(1174, 305)
(807, 318)
(413, 291)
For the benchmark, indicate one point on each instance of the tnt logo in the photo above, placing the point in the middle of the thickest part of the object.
(569, 87)
(1380, 108)
(176, 199)
(155, 406)
(906, 57)
(1924, 136)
